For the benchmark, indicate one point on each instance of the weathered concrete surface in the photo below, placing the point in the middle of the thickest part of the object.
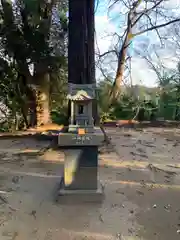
(141, 184)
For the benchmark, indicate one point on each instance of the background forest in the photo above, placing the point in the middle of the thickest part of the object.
(33, 63)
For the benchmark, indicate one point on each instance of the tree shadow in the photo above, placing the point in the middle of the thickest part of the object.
(157, 211)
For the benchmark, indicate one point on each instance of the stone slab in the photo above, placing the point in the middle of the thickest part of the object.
(81, 167)
(88, 139)
(64, 196)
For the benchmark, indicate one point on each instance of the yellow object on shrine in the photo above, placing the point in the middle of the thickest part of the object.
(81, 131)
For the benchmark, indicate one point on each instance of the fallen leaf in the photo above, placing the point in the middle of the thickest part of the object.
(140, 150)
(15, 179)
(100, 218)
(3, 199)
(139, 192)
(167, 207)
(33, 213)
(130, 230)
(114, 205)
(119, 236)
(119, 191)
(132, 153)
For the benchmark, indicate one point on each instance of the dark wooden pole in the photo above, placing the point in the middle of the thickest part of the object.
(81, 42)
(81, 62)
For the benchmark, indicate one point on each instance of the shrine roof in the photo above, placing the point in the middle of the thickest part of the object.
(81, 92)
(80, 95)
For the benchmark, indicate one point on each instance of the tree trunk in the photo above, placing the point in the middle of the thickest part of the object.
(42, 82)
(32, 108)
(29, 109)
(120, 68)
(28, 106)
(122, 58)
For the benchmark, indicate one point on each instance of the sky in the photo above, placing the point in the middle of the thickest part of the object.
(107, 24)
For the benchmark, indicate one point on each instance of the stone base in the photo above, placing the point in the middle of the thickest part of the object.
(95, 138)
(65, 196)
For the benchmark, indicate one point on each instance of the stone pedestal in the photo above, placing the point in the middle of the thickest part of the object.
(80, 180)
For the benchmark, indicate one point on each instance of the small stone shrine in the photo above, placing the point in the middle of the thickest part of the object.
(81, 97)
(80, 144)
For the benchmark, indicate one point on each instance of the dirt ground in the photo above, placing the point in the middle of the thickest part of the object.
(141, 180)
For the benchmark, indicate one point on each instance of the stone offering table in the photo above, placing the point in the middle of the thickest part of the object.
(80, 144)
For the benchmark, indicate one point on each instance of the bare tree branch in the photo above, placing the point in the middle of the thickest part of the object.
(133, 18)
(156, 27)
(108, 52)
(145, 12)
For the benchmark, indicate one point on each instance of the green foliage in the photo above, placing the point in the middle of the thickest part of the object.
(12, 95)
(124, 108)
(59, 117)
(25, 31)
(35, 32)
(31, 32)
(142, 103)
(128, 106)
